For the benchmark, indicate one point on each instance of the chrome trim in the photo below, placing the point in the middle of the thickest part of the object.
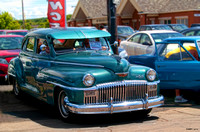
(115, 107)
(12, 74)
(97, 86)
(68, 63)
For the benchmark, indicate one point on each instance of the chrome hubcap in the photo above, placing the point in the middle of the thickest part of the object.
(61, 104)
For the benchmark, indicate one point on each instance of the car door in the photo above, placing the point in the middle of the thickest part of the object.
(145, 45)
(178, 68)
(26, 57)
(131, 45)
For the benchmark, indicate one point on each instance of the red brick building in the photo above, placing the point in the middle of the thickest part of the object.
(137, 12)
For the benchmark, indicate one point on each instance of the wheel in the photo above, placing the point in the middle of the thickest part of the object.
(16, 88)
(63, 112)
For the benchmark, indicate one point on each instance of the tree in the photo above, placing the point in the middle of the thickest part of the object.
(68, 17)
(8, 22)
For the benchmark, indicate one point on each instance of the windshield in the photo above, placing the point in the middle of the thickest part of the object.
(8, 43)
(62, 46)
(125, 30)
(179, 27)
(161, 27)
(158, 37)
(17, 33)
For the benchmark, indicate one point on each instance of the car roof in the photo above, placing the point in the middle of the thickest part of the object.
(20, 30)
(190, 29)
(3, 36)
(188, 38)
(70, 33)
(157, 31)
(155, 25)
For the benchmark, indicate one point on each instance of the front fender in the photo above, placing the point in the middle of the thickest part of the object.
(73, 76)
(15, 69)
(138, 72)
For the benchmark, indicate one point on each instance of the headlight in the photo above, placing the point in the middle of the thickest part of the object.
(88, 80)
(151, 75)
(3, 61)
(123, 54)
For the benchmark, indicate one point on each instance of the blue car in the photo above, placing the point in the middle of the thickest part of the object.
(176, 61)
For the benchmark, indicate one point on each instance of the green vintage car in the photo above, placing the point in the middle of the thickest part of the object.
(75, 70)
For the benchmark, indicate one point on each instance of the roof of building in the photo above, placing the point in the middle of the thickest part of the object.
(166, 6)
(98, 8)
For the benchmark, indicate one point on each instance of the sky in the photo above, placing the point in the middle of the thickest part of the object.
(32, 8)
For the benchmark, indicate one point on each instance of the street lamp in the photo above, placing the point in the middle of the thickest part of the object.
(23, 14)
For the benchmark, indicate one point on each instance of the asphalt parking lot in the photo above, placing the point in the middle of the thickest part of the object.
(29, 114)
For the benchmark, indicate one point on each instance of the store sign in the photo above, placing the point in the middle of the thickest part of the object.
(56, 13)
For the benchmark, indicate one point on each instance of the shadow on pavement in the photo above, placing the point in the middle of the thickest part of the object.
(29, 108)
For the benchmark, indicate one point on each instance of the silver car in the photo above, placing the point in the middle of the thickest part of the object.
(143, 42)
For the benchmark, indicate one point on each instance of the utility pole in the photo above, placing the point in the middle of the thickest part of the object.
(111, 11)
(23, 14)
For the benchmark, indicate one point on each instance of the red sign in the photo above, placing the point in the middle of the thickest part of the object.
(56, 13)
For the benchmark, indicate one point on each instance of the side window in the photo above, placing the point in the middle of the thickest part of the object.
(148, 28)
(198, 33)
(190, 33)
(192, 49)
(30, 44)
(145, 39)
(135, 38)
(173, 52)
(42, 47)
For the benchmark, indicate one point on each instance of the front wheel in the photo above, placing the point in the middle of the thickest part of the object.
(63, 111)
(16, 88)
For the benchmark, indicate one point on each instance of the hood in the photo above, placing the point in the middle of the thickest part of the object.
(9, 54)
(111, 62)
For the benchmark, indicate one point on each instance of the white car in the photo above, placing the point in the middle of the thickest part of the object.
(143, 42)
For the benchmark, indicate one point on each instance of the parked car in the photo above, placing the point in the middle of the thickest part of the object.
(123, 32)
(154, 27)
(195, 25)
(80, 74)
(2, 32)
(178, 27)
(195, 31)
(16, 32)
(9, 48)
(143, 42)
(176, 61)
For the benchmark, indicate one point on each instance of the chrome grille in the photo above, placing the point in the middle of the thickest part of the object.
(121, 91)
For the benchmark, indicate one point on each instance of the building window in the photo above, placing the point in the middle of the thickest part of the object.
(182, 21)
(167, 21)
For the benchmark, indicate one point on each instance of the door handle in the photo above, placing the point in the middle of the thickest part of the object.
(161, 66)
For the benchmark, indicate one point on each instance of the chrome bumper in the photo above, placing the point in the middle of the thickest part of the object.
(114, 107)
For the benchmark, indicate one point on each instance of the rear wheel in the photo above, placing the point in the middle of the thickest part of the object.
(63, 111)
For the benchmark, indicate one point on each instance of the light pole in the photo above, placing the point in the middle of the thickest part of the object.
(23, 14)
(111, 11)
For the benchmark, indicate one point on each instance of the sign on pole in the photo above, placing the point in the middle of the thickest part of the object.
(56, 13)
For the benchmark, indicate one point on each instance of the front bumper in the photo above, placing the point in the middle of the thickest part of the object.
(115, 107)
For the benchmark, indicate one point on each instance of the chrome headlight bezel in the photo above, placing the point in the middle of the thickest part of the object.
(88, 80)
(151, 75)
